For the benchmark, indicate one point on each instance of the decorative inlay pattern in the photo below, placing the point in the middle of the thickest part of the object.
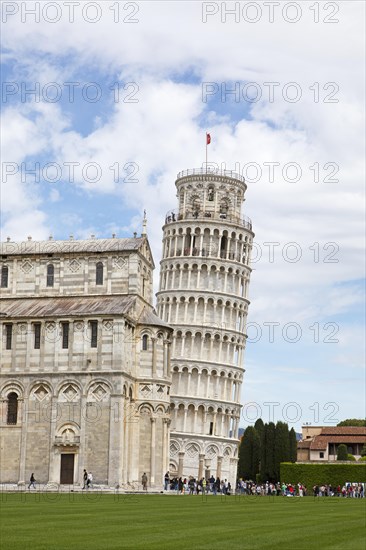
(41, 393)
(119, 263)
(74, 265)
(26, 266)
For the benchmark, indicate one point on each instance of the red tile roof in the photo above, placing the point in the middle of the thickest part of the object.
(320, 442)
(343, 430)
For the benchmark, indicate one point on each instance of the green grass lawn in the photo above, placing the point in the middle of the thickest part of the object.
(95, 522)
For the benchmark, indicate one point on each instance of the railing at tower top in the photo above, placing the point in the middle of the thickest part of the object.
(199, 215)
(208, 172)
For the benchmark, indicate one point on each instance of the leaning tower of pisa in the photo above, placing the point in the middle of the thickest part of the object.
(203, 295)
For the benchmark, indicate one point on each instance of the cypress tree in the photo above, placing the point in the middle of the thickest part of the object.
(293, 445)
(282, 446)
(249, 454)
(263, 454)
(259, 427)
(270, 460)
(267, 453)
(256, 455)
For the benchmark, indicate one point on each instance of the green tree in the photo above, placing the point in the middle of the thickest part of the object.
(259, 427)
(353, 422)
(363, 450)
(248, 463)
(293, 445)
(267, 453)
(342, 452)
(282, 446)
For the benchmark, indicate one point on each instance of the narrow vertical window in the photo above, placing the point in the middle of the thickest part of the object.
(8, 335)
(99, 274)
(4, 276)
(12, 412)
(65, 334)
(50, 274)
(144, 342)
(37, 335)
(93, 334)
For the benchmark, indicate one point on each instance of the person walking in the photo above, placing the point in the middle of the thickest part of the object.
(32, 481)
(166, 481)
(144, 481)
(85, 479)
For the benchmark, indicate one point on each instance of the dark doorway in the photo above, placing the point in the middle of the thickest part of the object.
(67, 469)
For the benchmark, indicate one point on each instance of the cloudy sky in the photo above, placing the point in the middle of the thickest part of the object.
(105, 102)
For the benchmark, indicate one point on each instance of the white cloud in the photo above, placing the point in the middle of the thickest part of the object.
(162, 133)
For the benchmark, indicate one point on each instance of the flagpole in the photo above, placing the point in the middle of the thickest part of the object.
(206, 152)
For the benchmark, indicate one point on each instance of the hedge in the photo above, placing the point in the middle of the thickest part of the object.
(334, 474)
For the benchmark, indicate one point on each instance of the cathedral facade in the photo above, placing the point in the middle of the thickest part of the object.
(203, 295)
(85, 379)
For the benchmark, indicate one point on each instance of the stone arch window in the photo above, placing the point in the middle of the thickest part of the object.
(223, 246)
(50, 275)
(12, 411)
(211, 193)
(145, 342)
(4, 276)
(99, 273)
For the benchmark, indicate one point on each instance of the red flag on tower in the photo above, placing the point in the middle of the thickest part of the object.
(208, 139)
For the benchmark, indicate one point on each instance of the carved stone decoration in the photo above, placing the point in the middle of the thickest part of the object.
(174, 448)
(192, 450)
(145, 390)
(50, 327)
(108, 325)
(99, 393)
(79, 326)
(227, 454)
(41, 393)
(119, 263)
(70, 392)
(26, 266)
(74, 265)
(211, 452)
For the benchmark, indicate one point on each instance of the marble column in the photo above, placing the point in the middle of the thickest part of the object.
(152, 451)
(201, 465)
(180, 463)
(219, 464)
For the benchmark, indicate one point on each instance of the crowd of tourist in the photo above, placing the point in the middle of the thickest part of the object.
(270, 489)
(355, 490)
(193, 486)
(349, 490)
